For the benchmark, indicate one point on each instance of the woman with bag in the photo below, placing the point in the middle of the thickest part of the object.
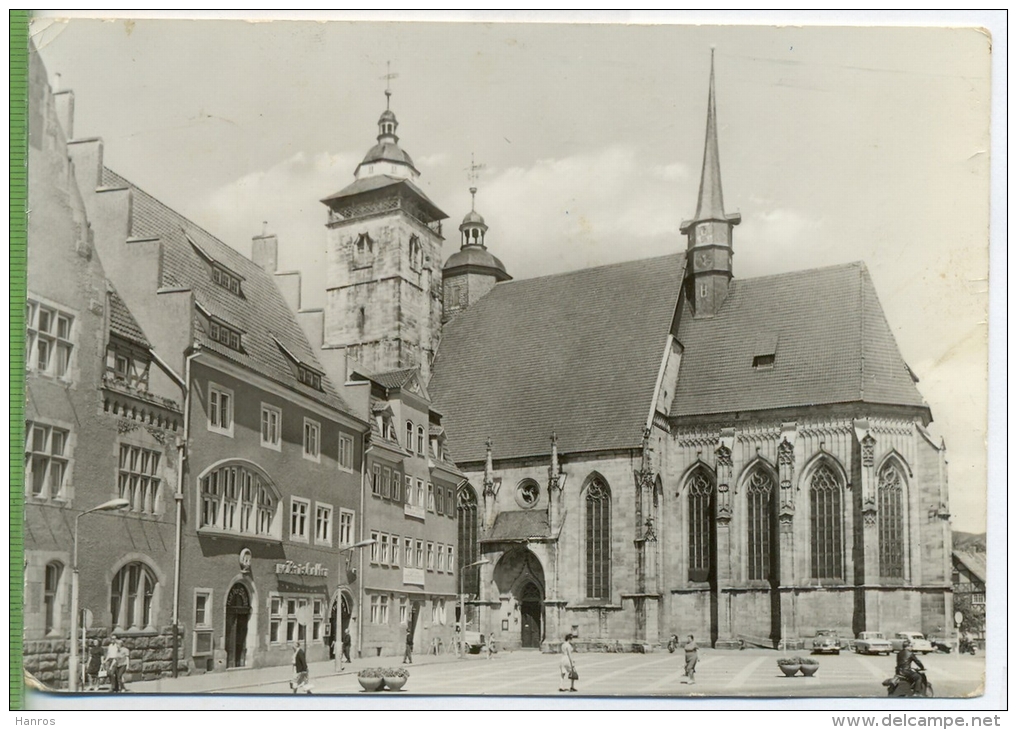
(568, 666)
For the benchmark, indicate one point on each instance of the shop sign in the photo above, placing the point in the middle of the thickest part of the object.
(291, 568)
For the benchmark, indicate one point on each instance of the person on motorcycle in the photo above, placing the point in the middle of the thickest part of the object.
(905, 658)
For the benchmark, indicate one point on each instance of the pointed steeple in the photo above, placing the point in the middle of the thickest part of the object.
(709, 269)
(711, 195)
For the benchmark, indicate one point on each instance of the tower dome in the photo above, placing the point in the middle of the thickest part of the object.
(473, 256)
(386, 157)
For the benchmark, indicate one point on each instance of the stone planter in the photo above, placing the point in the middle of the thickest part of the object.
(809, 669)
(371, 684)
(395, 683)
(789, 670)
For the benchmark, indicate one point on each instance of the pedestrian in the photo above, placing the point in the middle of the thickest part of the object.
(408, 656)
(347, 643)
(123, 663)
(567, 666)
(112, 650)
(94, 664)
(691, 658)
(300, 670)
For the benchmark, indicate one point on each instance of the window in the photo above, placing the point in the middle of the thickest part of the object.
(50, 338)
(345, 452)
(420, 493)
(323, 524)
(275, 617)
(430, 497)
(138, 479)
(376, 480)
(439, 499)
(386, 483)
(298, 518)
(450, 563)
(397, 547)
(51, 589)
(598, 540)
(295, 631)
(761, 531)
(224, 335)
(375, 546)
(220, 410)
(404, 610)
(271, 427)
(469, 550)
(345, 527)
(363, 251)
(890, 522)
(408, 553)
(47, 467)
(409, 436)
(825, 520)
(236, 499)
(527, 494)
(409, 489)
(226, 280)
(383, 555)
(317, 618)
(420, 553)
(203, 608)
(379, 609)
(763, 362)
(308, 377)
(312, 440)
(441, 558)
(430, 556)
(415, 253)
(125, 367)
(132, 597)
(700, 492)
(397, 483)
(420, 440)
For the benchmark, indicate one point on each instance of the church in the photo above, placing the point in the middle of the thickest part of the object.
(649, 447)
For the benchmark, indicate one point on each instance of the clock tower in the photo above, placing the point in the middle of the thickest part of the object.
(710, 232)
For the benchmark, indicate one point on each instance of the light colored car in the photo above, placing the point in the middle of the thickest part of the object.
(872, 642)
(826, 641)
(919, 644)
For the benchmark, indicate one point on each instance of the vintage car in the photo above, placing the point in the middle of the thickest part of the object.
(919, 644)
(872, 642)
(826, 641)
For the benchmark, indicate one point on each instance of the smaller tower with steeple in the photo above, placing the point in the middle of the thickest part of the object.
(472, 271)
(710, 232)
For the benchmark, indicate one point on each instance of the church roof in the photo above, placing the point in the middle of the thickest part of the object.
(827, 334)
(577, 353)
(259, 313)
(519, 525)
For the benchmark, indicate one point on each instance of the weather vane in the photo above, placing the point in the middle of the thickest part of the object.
(388, 82)
(473, 174)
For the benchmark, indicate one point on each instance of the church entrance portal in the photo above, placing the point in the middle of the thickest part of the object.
(238, 613)
(531, 611)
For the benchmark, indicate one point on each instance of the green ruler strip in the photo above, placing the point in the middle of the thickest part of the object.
(18, 267)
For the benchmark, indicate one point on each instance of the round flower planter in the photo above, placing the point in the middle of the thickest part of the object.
(371, 684)
(395, 683)
(809, 669)
(789, 670)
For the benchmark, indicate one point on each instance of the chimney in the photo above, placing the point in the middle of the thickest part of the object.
(265, 250)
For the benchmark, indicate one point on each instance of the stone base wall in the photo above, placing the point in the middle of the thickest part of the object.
(48, 660)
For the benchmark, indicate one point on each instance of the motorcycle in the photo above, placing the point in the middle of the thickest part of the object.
(900, 686)
(672, 643)
(966, 646)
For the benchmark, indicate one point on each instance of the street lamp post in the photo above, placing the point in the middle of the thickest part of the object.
(113, 504)
(462, 603)
(339, 602)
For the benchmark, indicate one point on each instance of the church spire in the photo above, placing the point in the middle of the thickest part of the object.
(709, 269)
(711, 195)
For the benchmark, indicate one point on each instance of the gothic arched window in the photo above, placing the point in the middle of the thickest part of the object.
(762, 546)
(415, 253)
(132, 597)
(363, 251)
(891, 522)
(469, 548)
(826, 520)
(598, 540)
(700, 492)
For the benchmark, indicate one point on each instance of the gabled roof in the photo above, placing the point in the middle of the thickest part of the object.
(975, 564)
(261, 314)
(826, 330)
(577, 353)
(122, 322)
(519, 525)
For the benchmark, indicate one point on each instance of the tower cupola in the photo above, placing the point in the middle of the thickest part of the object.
(386, 157)
(473, 228)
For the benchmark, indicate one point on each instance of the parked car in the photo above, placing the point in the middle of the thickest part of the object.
(919, 644)
(826, 641)
(872, 642)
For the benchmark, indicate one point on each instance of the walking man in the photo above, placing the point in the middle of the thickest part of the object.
(347, 643)
(408, 656)
(691, 659)
(300, 669)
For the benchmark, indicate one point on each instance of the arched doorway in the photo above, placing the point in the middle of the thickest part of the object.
(531, 610)
(238, 613)
(335, 634)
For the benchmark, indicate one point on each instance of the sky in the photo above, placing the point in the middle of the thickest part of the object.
(837, 144)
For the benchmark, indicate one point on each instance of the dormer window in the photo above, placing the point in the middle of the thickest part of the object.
(765, 351)
(363, 251)
(224, 335)
(308, 377)
(763, 362)
(226, 280)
